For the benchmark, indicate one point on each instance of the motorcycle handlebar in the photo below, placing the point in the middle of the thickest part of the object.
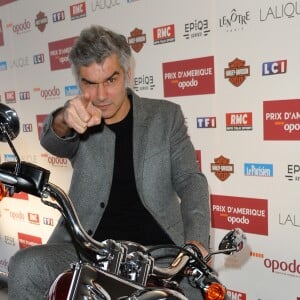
(32, 179)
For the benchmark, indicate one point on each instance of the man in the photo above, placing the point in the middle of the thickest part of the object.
(135, 175)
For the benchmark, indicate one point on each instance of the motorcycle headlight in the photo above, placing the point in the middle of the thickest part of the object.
(215, 291)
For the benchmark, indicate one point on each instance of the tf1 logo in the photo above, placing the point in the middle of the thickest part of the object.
(274, 67)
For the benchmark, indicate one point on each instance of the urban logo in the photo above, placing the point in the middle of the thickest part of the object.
(237, 72)
(260, 170)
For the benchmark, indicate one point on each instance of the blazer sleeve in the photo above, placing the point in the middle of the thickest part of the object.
(189, 182)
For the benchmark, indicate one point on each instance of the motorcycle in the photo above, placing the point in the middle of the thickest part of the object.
(110, 269)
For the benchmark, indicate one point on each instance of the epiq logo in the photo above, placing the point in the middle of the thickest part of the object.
(293, 172)
(164, 34)
(189, 77)
(198, 28)
(237, 72)
(59, 52)
(143, 83)
(222, 168)
(137, 39)
(282, 120)
(239, 121)
(274, 67)
(250, 214)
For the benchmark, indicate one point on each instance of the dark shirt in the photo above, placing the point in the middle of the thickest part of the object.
(125, 217)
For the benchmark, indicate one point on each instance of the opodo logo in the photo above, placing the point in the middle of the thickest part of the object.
(289, 267)
(237, 72)
(250, 214)
(143, 83)
(274, 67)
(164, 34)
(189, 77)
(239, 121)
(20, 28)
(206, 122)
(55, 161)
(282, 119)
(260, 170)
(137, 39)
(59, 52)
(48, 93)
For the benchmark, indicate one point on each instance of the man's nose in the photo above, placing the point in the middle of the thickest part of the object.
(101, 91)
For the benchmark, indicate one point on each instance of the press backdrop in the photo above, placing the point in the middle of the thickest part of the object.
(233, 66)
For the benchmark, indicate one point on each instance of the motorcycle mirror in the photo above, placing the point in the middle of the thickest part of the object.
(9, 123)
(233, 241)
(9, 129)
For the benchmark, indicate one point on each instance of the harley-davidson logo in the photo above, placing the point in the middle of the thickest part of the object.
(137, 39)
(222, 168)
(41, 21)
(237, 72)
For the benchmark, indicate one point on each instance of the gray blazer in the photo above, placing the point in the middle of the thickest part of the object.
(167, 176)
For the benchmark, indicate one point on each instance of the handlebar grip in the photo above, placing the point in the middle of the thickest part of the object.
(29, 178)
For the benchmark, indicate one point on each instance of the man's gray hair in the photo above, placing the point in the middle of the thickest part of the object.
(95, 44)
